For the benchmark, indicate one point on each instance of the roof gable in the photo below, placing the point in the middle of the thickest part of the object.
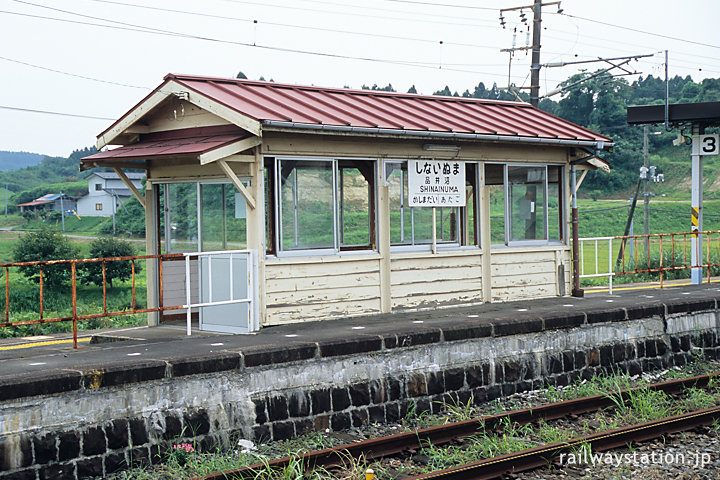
(271, 103)
(256, 106)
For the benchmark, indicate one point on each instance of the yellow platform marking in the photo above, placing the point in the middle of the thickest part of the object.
(43, 344)
(642, 287)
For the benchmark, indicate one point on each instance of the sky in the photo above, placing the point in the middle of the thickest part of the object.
(69, 68)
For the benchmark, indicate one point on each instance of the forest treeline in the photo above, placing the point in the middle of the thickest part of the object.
(599, 103)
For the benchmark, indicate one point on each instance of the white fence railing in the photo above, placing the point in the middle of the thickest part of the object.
(596, 244)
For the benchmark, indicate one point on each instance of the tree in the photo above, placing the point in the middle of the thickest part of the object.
(412, 90)
(108, 247)
(44, 245)
(241, 76)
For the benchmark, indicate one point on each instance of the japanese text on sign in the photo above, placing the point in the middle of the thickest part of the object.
(436, 183)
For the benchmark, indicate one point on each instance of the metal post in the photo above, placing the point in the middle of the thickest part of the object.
(696, 211)
(646, 194)
(434, 232)
(535, 66)
(62, 208)
(576, 291)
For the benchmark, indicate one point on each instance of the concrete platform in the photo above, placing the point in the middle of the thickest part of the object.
(83, 413)
(347, 335)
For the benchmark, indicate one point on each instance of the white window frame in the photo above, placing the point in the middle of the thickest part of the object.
(507, 207)
(209, 181)
(423, 247)
(335, 250)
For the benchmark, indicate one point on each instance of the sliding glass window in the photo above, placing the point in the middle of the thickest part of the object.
(526, 203)
(321, 205)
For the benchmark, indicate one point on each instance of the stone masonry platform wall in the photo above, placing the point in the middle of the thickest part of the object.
(89, 422)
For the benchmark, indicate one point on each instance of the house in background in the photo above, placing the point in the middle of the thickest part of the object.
(104, 188)
(51, 202)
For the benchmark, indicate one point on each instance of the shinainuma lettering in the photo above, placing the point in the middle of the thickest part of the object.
(439, 189)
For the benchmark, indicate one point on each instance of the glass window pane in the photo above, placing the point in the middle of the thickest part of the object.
(400, 216)
(235, 219)
(555, 205)
(355, 211)
(527, 203)
(306, 205)
(495, 184)
(446, 224)
(422, 225)
(212, 225)
(182, 216)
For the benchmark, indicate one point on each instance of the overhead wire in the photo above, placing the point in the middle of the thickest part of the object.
(287, 25)
(62, 114)
(154, 31)
(84, 77)
(637, 30)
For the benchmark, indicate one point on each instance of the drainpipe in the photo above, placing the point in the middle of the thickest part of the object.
(576, 291)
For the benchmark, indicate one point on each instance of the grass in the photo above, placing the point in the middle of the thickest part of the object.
(508, 437)
(25, 297)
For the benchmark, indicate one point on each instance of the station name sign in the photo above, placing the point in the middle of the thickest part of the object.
(436, 183)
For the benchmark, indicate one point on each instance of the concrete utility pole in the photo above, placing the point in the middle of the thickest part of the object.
(537, 29)
(535, 66)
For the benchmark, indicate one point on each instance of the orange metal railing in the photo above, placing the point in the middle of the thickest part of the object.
(74, 317)
(678, 245)
(658, 253)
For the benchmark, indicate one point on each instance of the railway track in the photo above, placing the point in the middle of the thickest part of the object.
(504, 464)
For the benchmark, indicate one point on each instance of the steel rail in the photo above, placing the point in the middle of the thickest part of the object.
(602, 441)
(393, 444)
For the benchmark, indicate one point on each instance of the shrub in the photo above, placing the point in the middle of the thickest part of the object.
(45, 244)
(106, 247)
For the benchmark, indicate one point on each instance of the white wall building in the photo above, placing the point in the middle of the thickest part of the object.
(104, 189)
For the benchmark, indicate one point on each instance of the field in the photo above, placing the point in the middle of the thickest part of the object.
(601, 218)
(25, 296)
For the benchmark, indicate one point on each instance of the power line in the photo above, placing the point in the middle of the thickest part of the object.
(148, 30)
(637, 30)
(61, 114)
(72, 74)
(404, 14)
(445, 5)
(286, 25)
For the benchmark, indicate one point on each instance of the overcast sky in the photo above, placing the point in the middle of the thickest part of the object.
(98, 58)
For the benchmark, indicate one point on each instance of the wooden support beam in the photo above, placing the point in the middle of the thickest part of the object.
(129, 184)
(226, 113)
(133, 116)
(236, 181)
(231, 149)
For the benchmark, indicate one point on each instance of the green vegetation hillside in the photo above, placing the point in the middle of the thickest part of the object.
(17, 160)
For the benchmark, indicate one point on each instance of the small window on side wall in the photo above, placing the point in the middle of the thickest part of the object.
(413, 225)
(526, 203)
(319, 205)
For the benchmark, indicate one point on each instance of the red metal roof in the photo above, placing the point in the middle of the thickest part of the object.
(34, 202)
(273, 102)
(308, 106)
(174, 143)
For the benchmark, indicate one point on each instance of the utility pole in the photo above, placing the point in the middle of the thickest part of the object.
(537, 29)
(62, 209)
(535, 65)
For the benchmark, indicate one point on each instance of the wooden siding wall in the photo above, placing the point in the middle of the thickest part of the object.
(299, 290)
(424, 280)
(519, 274)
